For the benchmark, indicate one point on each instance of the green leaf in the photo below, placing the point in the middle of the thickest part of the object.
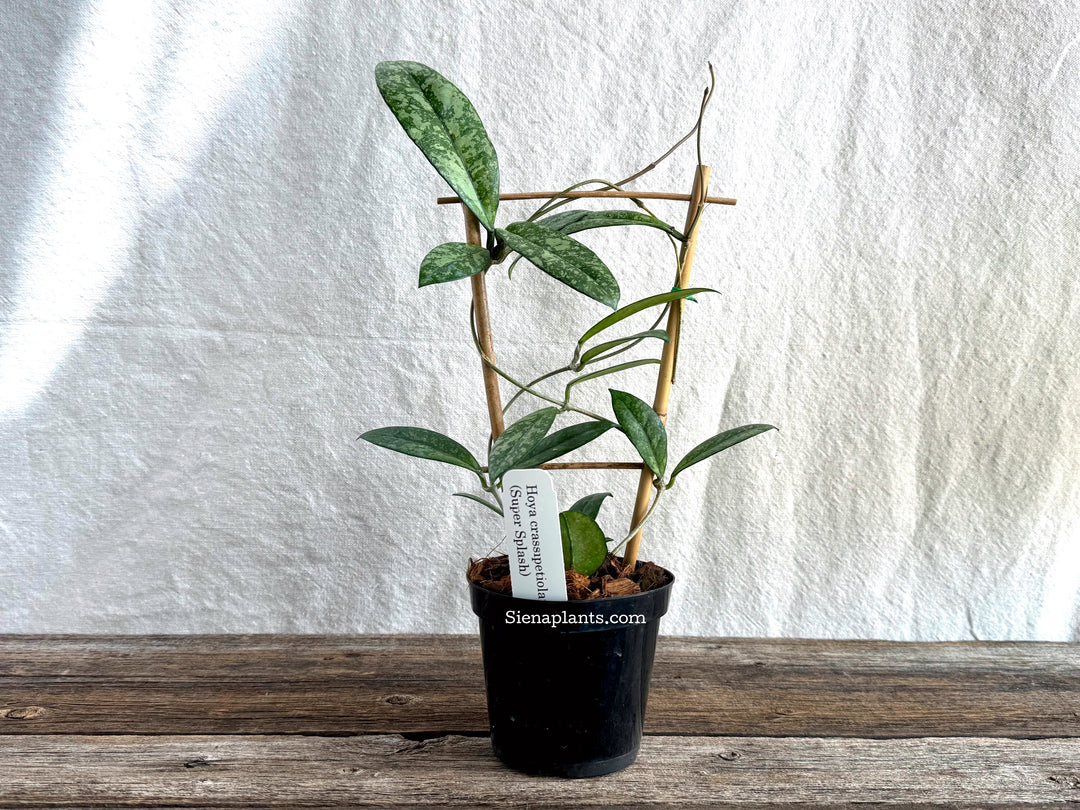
(721, 441)
(573, 221)
(563, 441)
(590, 504)
(564, 259)
(517, 442)
(600, 348)
(494, 508)
(452, 261)
(423, 443)
(644, 429)
(440, 120)
(638, 306)
(603, 372)
(584, 545)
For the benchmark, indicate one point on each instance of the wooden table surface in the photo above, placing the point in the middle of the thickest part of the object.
(315, 721)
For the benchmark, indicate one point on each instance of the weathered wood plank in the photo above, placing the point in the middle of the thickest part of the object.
(434, 685)
(390, 771)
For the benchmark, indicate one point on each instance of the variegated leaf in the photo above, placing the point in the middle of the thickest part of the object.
(719, 442)
(564, 259)
(563, 441)
(644, 428)
(515, 445)
(451, 261)
(423, 443)
(440, 120)
(573, 221)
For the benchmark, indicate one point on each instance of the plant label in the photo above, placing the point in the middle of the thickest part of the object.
(531, 517)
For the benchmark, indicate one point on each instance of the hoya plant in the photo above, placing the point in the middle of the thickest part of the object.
(443, 123)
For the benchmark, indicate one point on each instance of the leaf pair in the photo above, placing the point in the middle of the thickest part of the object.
(646, 431)
(443, 123)
(526, 443)
(561, 257)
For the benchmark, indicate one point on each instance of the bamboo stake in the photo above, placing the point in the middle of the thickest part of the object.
(575, 195)
(666, 374)
(483, 331)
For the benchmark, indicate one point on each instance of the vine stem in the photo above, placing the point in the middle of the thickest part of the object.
(561, 200)
(541, 378)
(494, 490)
(538, 394)
(573, 366)
(694, 130)
(641, 523)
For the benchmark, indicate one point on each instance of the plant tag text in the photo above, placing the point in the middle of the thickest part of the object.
(531, 517)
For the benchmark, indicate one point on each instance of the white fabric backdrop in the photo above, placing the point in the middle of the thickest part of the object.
(212, 230)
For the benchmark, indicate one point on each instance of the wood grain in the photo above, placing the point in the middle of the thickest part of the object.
(433, 685)
(391, 771)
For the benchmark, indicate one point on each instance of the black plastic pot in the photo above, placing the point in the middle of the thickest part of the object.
(567, 682)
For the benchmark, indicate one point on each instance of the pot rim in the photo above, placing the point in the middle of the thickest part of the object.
(653, 603)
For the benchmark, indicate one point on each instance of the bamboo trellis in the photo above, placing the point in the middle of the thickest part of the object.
(696, 200)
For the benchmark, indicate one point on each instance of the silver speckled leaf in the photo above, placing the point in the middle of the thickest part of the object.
(644, 429)
(719, 442)
(576, 220)
(518, 440)
(423, 443)
(564, 259)
(451, 261)
(440, 120)
(563, 441)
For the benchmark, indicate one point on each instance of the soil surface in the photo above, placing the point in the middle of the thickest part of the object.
(610, 579)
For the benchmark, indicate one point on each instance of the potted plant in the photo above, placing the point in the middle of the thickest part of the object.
(567, 680)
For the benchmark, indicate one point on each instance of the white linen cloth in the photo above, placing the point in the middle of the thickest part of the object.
(212, 233)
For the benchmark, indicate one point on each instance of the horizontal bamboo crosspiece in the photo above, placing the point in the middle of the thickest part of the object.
(577, 195)
(588, 465)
